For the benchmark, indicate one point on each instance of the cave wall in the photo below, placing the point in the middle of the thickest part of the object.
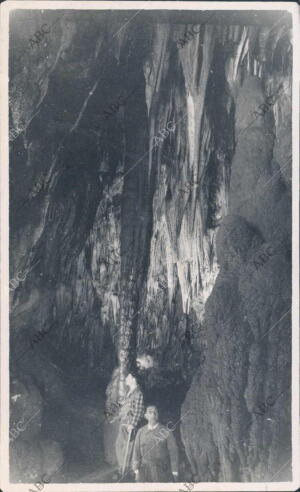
(239, 400)
(144, 226)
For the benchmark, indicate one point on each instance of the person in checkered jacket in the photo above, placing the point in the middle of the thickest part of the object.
(130, 415)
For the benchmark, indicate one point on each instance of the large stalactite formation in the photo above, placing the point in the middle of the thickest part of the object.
(145, 226)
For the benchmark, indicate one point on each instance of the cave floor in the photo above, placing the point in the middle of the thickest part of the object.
(104, 474)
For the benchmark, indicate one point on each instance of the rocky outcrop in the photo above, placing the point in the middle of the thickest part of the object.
(239, 401)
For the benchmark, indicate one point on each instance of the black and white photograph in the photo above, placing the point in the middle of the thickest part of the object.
(149, 246)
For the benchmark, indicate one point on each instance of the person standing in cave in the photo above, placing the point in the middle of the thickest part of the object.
(145, 361)
(155, 454)
(130, 415)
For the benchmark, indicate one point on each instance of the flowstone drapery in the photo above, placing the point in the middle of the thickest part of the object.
(130, 231)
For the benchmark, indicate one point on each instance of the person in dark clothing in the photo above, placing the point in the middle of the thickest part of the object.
(155, 454)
